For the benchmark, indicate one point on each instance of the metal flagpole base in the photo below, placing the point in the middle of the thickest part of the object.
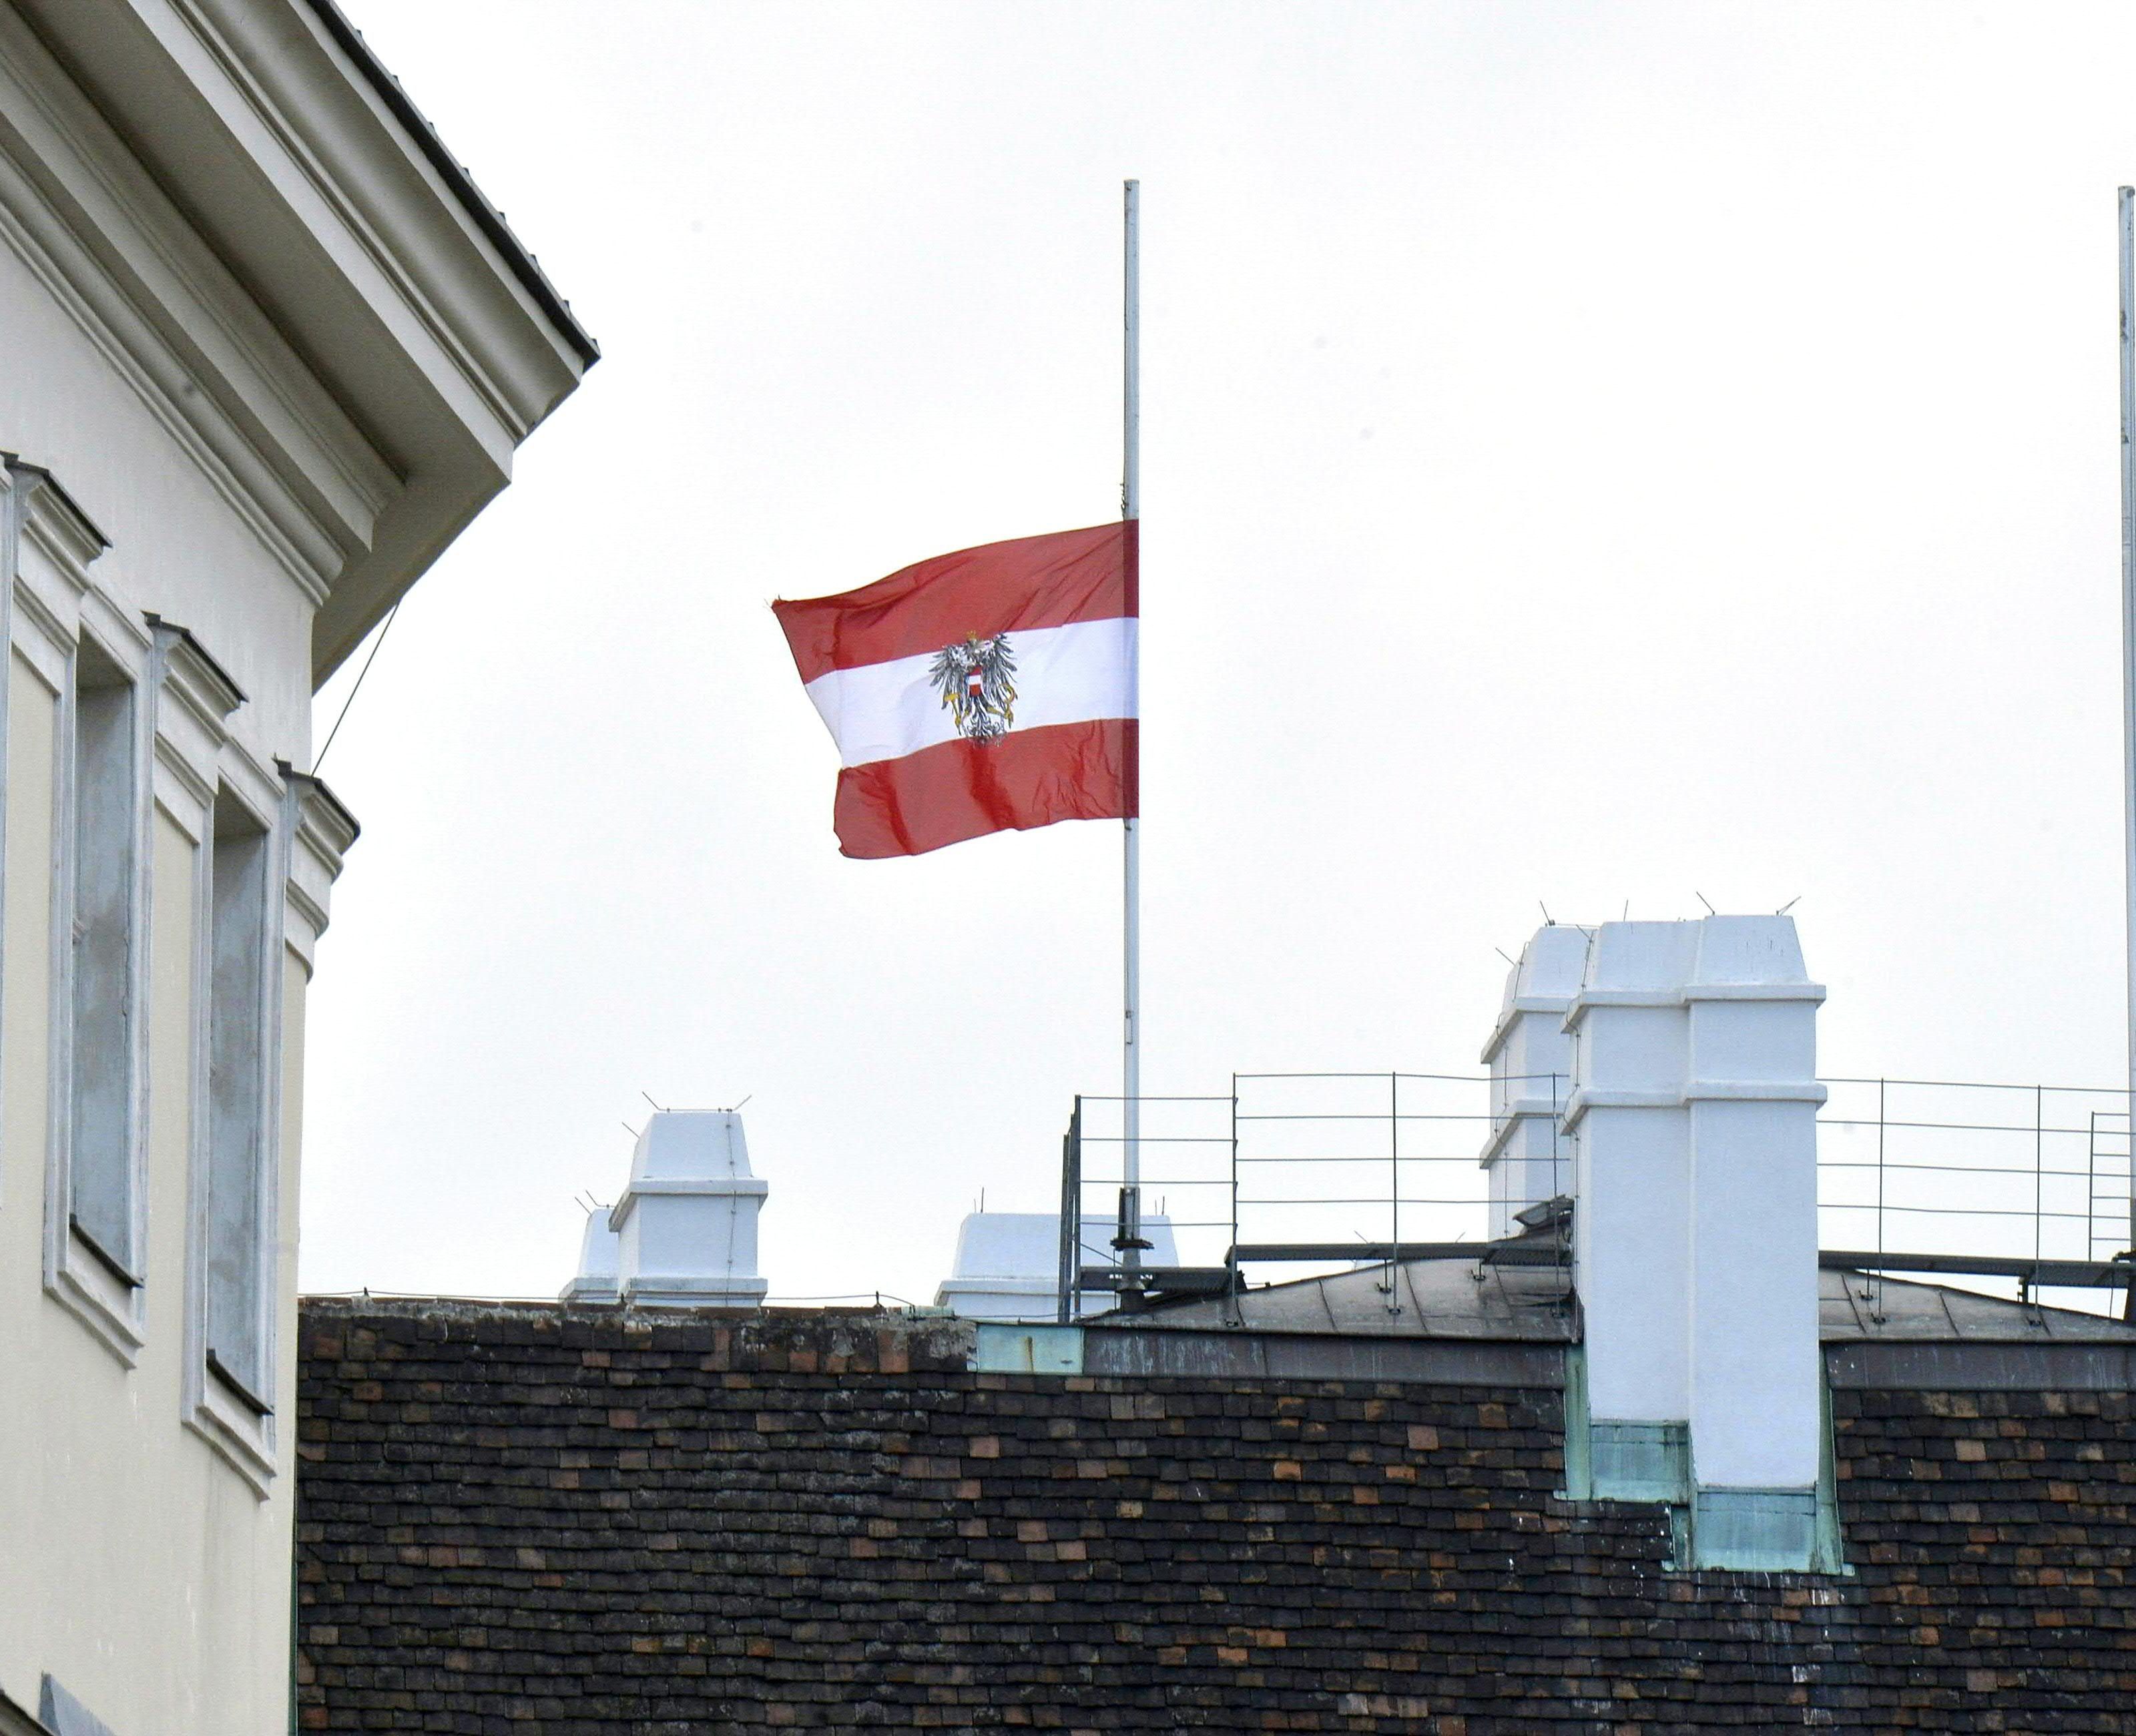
(1131, 1244)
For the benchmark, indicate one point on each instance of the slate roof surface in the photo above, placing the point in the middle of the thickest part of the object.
(1479, 1299)
(545, 1521)
(1856, 1306)
(1432, 1299)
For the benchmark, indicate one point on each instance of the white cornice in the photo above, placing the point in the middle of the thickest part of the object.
(189, 672)
(82, 214)
(54, 525)
(195, 697)
(53, 550)
(384, 89)
(254, 69)
(419, 341)
(321, 832)
(322, 145)
(325, 824)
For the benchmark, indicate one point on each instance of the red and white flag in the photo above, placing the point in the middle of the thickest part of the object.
(980, 691)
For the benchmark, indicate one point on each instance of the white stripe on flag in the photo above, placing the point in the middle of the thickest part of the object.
(1071, 674)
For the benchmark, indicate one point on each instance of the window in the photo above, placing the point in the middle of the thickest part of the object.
(102, 1174)
(94, 1199)
(227, 809)
(239, 1286)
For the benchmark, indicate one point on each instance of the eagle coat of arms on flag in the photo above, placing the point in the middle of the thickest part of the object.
(977, 680)
(944, 732)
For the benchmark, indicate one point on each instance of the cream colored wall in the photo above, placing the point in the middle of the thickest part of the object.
(139, 1568)
(177, 545)
(137, 1565)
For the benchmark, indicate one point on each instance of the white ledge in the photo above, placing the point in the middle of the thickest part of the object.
(1582, 1101)
(1527, 1108)
(747, 1187)
(1521, 1004)
(1731, 1091)
(652, 1288)
(1811, 992)
(1755, 1091)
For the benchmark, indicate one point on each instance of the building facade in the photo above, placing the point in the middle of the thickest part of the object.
(263, 351)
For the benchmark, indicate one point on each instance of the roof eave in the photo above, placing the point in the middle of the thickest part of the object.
(490, 220)
(394, 284)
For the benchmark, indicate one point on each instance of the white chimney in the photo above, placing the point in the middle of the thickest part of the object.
(1008, 1262)
(598, 1252)
(686, 1226)
(1529, 1057)
(1693, 1117)
(1632, 1179)
(1756, 1371)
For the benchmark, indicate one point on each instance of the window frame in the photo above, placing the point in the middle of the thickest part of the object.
(241, 1419)
(256, 1008)
(55, 605)
(122, 1256)
(17, 483)
(195, 760)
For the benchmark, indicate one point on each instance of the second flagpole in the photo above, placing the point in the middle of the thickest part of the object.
(1129, 1241)
(2128, 238)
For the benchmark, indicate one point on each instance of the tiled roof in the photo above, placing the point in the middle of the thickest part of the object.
(528, 1519)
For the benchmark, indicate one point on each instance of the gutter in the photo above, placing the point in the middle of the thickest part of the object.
(486, 217)
(2112, 1274)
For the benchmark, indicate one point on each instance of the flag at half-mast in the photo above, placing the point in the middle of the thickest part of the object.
(980, 691)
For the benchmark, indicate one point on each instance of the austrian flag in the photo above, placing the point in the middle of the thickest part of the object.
(980, 691)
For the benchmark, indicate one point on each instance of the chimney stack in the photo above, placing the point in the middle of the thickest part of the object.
(686, 1226)
(598, 1252)
(1531, 1061)
(1684, 1128)
(1008, 1262)
(1693, 1117)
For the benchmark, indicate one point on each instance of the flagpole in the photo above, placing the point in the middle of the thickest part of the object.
(1130, 1241)
(2128, 657)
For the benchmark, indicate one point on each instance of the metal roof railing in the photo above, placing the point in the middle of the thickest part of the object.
(2007, 1188)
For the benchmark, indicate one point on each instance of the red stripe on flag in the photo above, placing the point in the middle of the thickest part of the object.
(1000, 587)
(964, 789)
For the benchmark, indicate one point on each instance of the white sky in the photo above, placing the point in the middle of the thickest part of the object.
(1593, 454)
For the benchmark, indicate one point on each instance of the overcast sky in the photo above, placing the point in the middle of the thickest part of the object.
(1594, 455)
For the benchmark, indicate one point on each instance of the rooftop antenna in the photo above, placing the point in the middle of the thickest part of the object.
(1627, 915)
(1549, 921)
(1507, 956)
(647, 1096)
(1789, 905)
(630, 1130)
(1704, 900)
(732, 1109)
